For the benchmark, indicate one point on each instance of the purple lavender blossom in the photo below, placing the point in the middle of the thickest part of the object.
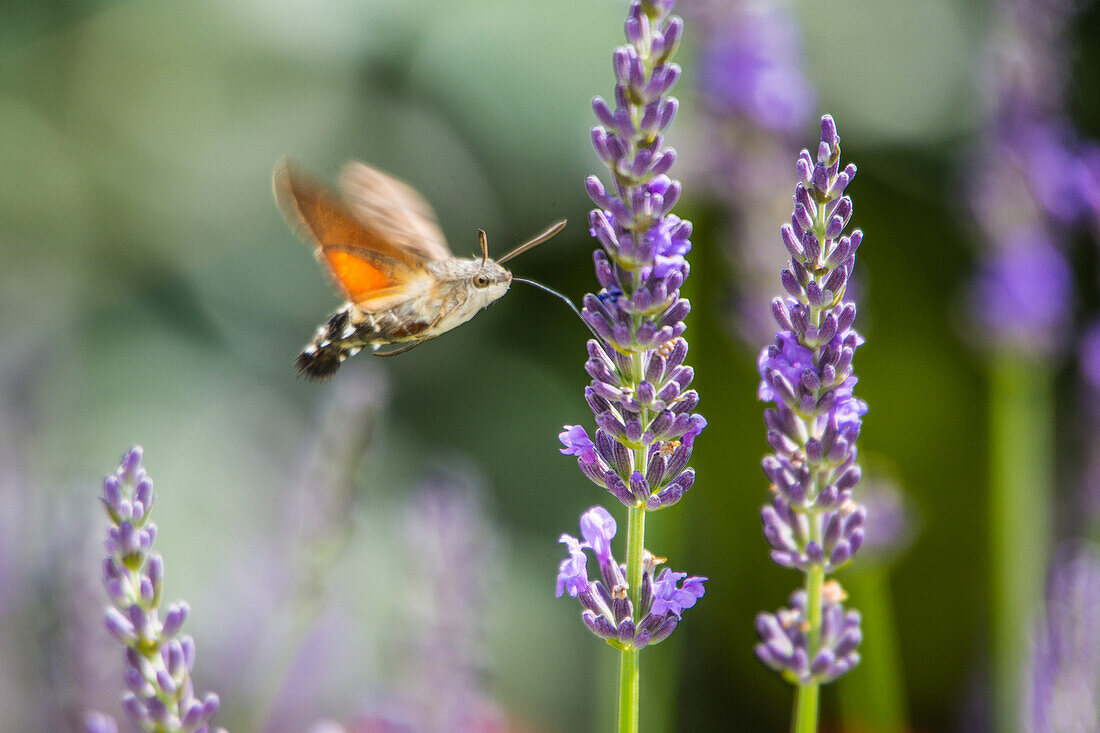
(639, 393)
(891, 522)
(1065, 669)
(608, 611)
(639, 390)
(158, 658)
(812, 522)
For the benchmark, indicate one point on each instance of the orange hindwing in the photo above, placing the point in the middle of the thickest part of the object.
(365, 265)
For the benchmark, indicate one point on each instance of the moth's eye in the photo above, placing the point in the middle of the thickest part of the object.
(481, 281)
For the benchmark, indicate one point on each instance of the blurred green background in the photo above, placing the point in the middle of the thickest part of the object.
(150, 292)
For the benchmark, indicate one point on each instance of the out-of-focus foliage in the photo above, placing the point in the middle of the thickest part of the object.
(150, 292)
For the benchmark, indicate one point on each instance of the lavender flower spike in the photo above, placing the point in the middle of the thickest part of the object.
(639, 390)
(158, 658)
(639, 394)
(812, 523)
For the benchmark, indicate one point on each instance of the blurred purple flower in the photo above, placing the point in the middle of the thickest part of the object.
(751, 66)
(158, 658)
(447, 535)
(1065, 672)
(1061, 169)
(1028, 64)
(891, 523)
(1032, 181)
(1023, 293)
(1088, 357)
(297, 574)
(100, 723)
(755, 102)
(1088, 363)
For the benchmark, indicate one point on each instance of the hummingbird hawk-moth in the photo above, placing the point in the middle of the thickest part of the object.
(385, 252)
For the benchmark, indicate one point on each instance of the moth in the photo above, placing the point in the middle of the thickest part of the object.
(384, 250)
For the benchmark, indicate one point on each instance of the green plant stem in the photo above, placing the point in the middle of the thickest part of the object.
(628, 692)
(805, 705)
(1021, 436)
(805, 709)
(629, 672)
(872, 696)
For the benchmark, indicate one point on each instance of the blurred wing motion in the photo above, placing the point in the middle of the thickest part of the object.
(371, 260)
(393, 210)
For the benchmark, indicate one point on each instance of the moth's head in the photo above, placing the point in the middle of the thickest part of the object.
(490, 280)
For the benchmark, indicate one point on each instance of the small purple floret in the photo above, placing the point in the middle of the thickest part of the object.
(573, 571)
(672, 597)
(575, 442)
(607, 610)
(598, 529)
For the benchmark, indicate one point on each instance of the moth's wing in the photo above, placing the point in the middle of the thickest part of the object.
(393, 210)
(373, 272)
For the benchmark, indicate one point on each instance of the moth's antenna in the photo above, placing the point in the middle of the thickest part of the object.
(484, 242)
(560, 297)
(534, 242)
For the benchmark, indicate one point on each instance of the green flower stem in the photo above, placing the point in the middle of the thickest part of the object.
(872, 697)
(805, 709)
(628, 692)
(805, 705)
(629, 673)
(1021, 472)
